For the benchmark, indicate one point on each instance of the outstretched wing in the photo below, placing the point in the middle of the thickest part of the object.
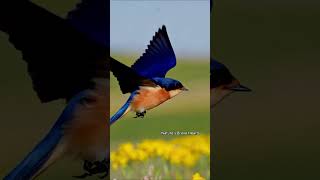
(92, 18)
(61, 61)
(128, 79)
(158, 59)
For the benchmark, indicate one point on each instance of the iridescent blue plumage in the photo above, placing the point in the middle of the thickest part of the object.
(222, 82)
(215, 65)
(158, 59)
(168, 83)
(219, 74)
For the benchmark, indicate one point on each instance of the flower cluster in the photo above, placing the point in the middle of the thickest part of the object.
(184, 151)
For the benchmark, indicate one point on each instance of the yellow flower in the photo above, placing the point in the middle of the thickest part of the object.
(126, 148)
(197, 176)
(141, 155)
(190, 160)
(122, 160)
(185, 150)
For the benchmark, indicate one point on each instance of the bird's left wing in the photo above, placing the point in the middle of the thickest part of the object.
(92, 18)
(128, 79)
(61, 60)
(158, 59)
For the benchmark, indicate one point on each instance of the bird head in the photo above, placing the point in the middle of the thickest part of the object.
(222, 83)
(174, 87)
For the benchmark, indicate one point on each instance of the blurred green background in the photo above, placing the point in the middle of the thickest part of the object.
(272, 47)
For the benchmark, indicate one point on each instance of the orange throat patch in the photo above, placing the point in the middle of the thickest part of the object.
(149, 98)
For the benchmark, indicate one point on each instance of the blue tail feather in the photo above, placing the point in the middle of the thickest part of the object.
(122, 110)
(37, 158)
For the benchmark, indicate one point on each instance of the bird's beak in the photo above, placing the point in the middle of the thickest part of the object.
(240, 88)
(184, 89)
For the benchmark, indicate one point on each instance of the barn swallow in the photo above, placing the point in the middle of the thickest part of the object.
(222, 83)
(66, 59)
(146, 80)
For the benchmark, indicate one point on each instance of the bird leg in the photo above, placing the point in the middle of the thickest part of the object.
(96, 167)
(140, 114)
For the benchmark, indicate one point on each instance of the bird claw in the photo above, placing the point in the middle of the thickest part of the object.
(96, 167)
(140, 114)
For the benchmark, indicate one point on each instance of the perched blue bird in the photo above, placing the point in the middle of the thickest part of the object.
(67, 59)
(222, 82)
(146, 80)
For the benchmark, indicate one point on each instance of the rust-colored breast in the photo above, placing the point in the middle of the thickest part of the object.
(149, 98)
(88, 134)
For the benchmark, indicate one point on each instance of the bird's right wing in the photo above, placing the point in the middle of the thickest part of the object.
(61, 60)
(123, 110)
(50, 147)
(128, 79)
(158, 59)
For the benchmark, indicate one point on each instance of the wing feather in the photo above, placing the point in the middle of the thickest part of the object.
(158, 59)
(61, 60)
(128, 79)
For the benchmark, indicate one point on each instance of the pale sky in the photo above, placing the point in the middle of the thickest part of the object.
(134, 22)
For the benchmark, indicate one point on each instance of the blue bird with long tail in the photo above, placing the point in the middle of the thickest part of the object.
(145, 79)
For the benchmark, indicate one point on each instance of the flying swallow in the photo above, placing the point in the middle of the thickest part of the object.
(222, 82)
(66, 59)
(145, 79)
